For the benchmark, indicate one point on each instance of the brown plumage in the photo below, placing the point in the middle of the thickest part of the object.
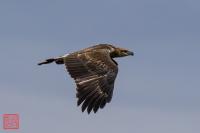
(94, 72)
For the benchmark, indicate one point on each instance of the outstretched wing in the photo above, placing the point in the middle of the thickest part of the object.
(94, 73)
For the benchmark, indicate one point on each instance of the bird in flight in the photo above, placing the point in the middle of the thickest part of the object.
(94, 71)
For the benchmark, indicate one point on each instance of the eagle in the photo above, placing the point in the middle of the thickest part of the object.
(94, 71)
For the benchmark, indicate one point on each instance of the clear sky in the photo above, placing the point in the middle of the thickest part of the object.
(156, 91)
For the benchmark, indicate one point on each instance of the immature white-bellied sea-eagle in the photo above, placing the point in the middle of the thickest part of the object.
(94, 71)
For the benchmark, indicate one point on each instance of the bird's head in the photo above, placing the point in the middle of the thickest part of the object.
(121, 52)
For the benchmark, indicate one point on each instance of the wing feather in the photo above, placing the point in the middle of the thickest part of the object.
(94, 73)
(98, 102)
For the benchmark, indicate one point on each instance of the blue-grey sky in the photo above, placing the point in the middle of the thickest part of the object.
(156, 91)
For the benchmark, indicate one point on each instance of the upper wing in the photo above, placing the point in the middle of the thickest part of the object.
(94, 73)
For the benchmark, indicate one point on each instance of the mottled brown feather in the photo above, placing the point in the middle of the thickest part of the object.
(94, 73)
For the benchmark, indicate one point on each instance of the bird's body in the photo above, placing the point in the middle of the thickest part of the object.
(94, 71)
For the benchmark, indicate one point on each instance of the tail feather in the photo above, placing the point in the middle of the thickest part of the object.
(47, 61)
(58, 61)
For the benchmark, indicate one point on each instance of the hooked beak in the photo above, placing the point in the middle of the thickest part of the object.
(130, 53)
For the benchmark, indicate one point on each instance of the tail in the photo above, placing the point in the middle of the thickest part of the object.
(59, 61)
